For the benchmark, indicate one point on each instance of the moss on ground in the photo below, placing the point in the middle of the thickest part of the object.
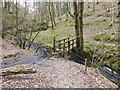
(106, 36)
(97, 22)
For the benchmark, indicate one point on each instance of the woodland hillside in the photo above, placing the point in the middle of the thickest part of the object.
(93, 25)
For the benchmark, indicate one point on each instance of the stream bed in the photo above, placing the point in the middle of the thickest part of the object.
(35, 47)
(30, 60)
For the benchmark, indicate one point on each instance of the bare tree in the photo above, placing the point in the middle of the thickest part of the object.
(58, 10)
(68, 9)
(53, 12)
(51, 18)
(76, 19)
(81, 7)
(16, 17)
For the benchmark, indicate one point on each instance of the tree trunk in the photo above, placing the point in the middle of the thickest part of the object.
(46, 16)
(9, 5)
(76, 24)
(81, 7)
(58, 10)
(50, 15)
(93, 6)
(78, 17)
(66, 16)
(68, 10)
(119, 30)
(5, 4)
(16, 18)
(53, 13)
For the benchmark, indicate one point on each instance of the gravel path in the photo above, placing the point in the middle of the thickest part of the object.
(58, 73)
(53, 72)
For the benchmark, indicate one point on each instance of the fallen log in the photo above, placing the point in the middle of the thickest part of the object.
(27, 71)
(110, 73)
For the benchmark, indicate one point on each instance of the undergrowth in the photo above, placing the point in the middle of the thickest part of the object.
(103, 54)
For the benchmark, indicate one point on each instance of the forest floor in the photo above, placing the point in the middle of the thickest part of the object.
(53, 72)
(92, 26)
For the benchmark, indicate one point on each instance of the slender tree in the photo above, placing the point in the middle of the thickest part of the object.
(53, 13)
(16, 17)
(76, 19)
(5, 4)
(58, 10)
(68, 9)
(50, 13)
(81, 7)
